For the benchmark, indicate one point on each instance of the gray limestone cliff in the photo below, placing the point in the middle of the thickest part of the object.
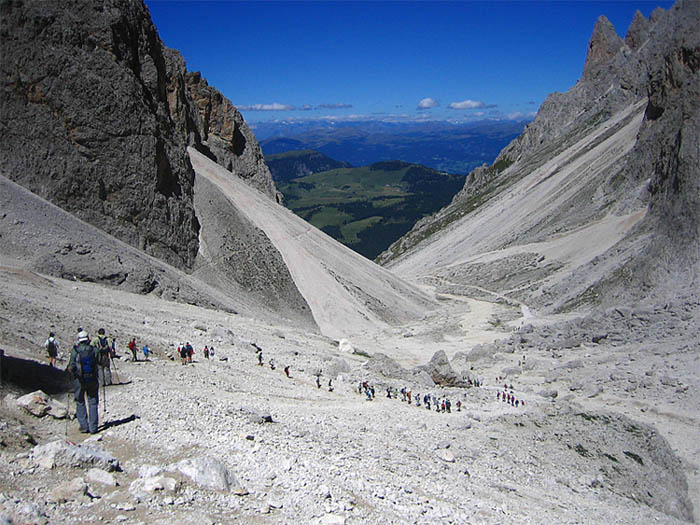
(96, 117)
(86, 122)
(97, 114)
(226, 138)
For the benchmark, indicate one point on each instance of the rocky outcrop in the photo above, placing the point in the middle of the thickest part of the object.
(226, 137)
(440, 370)
(97, 114)
(638, 32)
(668, 150)
(86, 121)
(666, 160)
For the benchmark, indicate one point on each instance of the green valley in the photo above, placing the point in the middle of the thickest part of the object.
(368, 208)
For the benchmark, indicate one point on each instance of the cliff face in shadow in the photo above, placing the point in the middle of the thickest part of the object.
(96, 117)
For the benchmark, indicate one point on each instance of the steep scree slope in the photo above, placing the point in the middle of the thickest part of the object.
(601, 191)
(346, 292)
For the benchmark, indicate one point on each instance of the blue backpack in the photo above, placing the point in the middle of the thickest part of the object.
(86, 364)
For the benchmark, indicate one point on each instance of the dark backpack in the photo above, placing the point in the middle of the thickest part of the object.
(86, 364)
(103, 347)
(51, 347)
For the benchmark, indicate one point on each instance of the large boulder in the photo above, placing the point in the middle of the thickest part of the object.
(40, 404)
(208, 472)
(65, 454)
(440, 370)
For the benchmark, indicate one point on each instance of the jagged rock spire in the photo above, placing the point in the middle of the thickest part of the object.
(603, 46)
(638, 31)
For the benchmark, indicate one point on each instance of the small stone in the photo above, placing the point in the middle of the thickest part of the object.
(69, 491)
(97, 475)
(446, 455)
(332, 519)
(552, 394)
(148, 471)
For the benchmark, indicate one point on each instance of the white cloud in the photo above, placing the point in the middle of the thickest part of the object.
(428, 103)
(467, 104)
(518, 115)
(275, 106)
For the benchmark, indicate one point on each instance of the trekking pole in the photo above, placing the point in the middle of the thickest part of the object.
(104, 392)
(67, 414)
(70, 391)
(116, 372)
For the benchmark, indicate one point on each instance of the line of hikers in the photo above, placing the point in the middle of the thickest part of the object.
(287, 369)
(407, 396)
(186, 351)
(509, 397)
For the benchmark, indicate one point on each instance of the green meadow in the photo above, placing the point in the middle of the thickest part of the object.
(368, 208)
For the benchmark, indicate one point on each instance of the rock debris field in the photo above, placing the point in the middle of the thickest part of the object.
(225, 440)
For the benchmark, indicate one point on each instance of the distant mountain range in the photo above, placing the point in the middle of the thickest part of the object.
(441, 145)
(365, 208)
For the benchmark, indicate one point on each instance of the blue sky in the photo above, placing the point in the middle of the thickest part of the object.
(462, 60)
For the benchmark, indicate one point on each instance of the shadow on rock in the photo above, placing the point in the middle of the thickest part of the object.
(29, 375)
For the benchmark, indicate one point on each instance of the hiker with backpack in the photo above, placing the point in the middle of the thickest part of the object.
(105, 350)
(83, 366)
(51, 346)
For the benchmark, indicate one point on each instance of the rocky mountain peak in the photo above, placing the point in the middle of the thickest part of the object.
(603, 46)
(638, 31)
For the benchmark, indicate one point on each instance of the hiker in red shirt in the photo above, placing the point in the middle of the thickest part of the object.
(133, 348)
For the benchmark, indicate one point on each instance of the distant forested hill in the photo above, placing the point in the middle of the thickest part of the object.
(368, 208)
(293, 164)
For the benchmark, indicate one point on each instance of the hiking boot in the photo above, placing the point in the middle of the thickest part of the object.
(84, 431)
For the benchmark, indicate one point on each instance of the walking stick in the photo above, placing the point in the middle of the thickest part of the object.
(116, 372)
(104, 391)
(67, 415)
